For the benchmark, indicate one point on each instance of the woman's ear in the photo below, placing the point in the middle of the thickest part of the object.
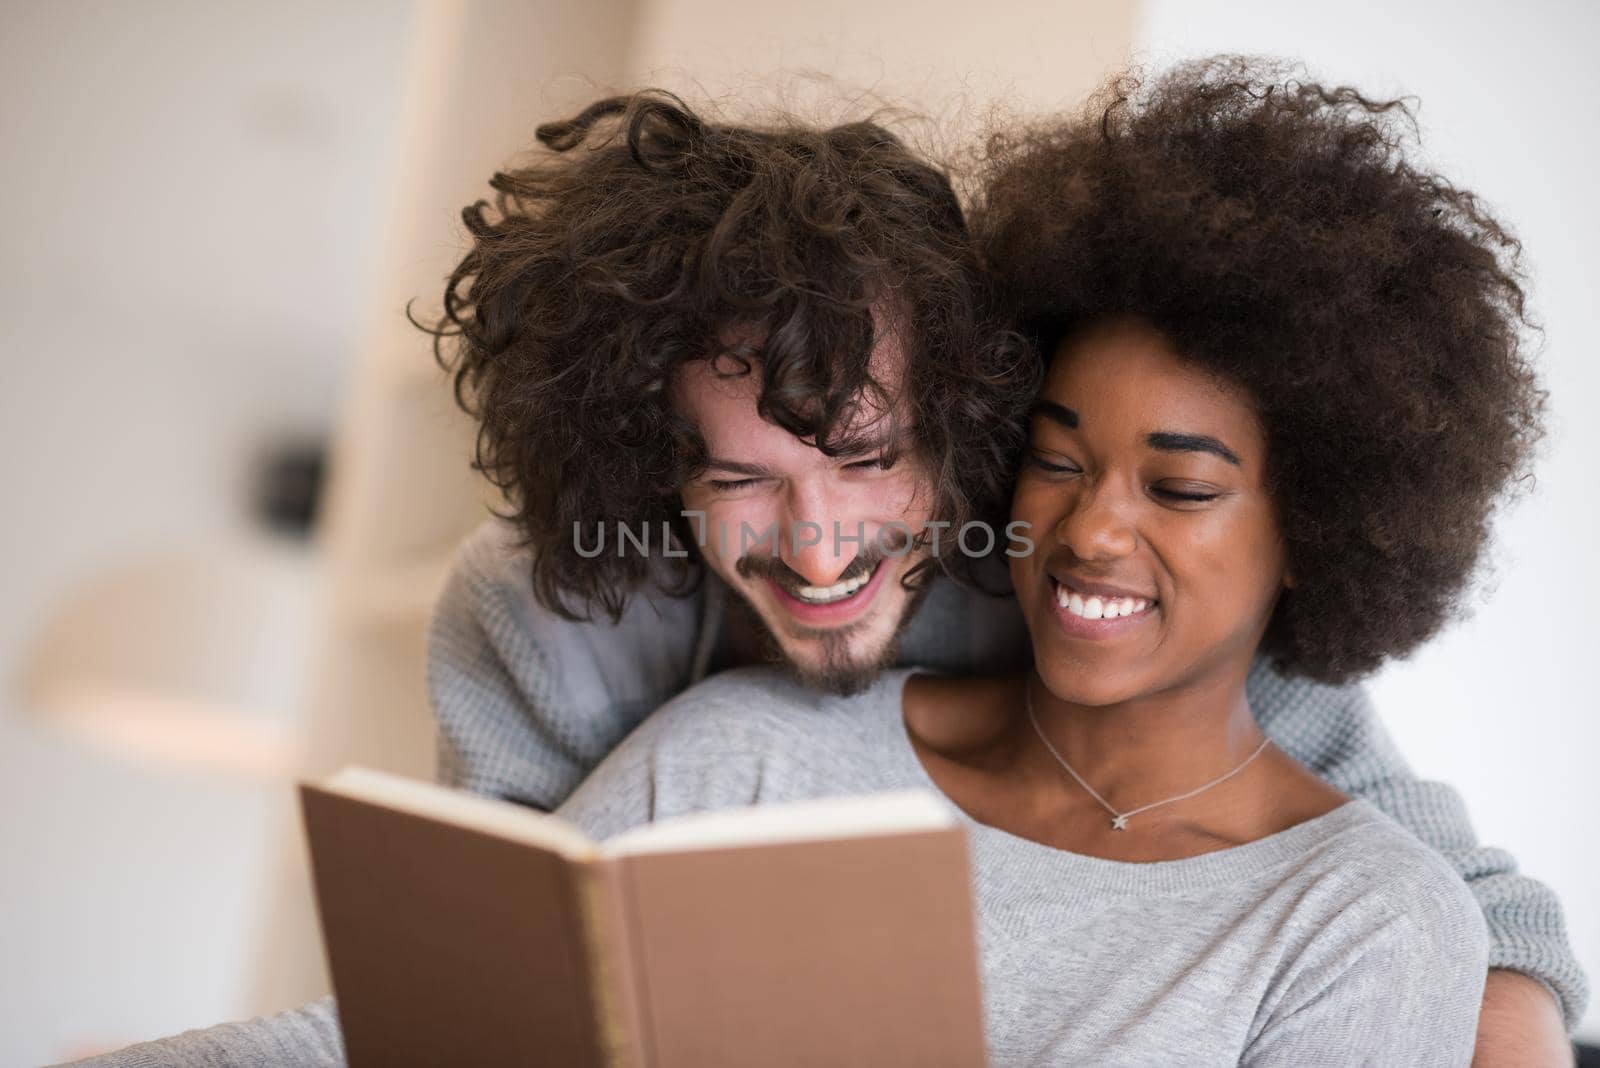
(1289, 582)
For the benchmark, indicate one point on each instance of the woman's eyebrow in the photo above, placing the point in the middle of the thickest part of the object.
(1167, 441)
(1056, 413)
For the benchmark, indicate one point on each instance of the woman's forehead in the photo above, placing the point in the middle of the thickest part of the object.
(1127, 378)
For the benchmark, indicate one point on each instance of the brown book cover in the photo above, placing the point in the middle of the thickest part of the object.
(465, 931)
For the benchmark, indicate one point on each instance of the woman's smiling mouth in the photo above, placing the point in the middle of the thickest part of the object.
(1098, 613)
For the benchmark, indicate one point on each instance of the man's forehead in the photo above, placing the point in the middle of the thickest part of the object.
(720, 394)
(724, 410)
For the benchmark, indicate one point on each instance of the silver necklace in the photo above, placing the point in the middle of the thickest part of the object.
(1119, 820)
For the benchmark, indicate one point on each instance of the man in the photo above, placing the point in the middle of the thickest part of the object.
(769, 357)
(775, 347)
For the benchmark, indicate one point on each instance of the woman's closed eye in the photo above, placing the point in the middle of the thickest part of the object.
(1185, 492)
(1053, 463)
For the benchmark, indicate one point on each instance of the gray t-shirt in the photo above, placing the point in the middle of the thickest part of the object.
(1340, 941)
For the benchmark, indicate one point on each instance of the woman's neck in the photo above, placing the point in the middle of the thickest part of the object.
(1157, 746)
(974, 738)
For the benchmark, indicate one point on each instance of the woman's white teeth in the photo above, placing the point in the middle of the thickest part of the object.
(837, 592)
(1099, 607)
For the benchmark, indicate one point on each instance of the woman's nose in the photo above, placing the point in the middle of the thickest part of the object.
(1097, 525)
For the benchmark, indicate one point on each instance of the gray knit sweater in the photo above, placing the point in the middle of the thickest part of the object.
(528, 704)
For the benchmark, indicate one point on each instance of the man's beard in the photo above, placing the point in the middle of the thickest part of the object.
(838, 672)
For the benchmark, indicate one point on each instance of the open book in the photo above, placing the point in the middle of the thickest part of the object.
(466, 931)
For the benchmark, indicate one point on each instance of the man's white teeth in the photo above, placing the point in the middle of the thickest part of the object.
(1099, 607)
(828, 594)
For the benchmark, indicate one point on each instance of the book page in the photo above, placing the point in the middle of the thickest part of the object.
(823, 818)
(503, 819)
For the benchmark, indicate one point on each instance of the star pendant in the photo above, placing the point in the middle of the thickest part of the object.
(1119, 823)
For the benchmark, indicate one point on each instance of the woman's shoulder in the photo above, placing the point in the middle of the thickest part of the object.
(1383, 950)
(741, 737)
(766, 709)
(1375, 882)
(1374, 843)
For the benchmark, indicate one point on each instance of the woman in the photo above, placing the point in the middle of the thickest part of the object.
(1284, 391)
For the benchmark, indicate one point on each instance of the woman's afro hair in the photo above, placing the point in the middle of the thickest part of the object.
(1273, 229)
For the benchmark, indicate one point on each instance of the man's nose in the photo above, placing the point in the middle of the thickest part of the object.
(808, 542)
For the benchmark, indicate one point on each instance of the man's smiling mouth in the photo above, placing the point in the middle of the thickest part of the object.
(839, 591)
(856, 577)
(843, 600)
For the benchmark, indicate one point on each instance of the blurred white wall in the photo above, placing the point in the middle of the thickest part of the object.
(218, 214)
(479, 78)
(189, 217)
(190, 210)
(1502, 708)
(943, 58)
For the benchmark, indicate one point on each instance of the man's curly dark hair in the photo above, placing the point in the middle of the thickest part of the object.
(1274, 230)
(647, 237)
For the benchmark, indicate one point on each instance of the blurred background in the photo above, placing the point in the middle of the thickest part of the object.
(233, 477)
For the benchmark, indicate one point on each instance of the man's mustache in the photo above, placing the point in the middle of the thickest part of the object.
(773, 568)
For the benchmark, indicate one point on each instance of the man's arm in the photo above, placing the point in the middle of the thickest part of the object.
(528, 703)
(306, 1037)
(1335, 732)
(1520, 1024)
